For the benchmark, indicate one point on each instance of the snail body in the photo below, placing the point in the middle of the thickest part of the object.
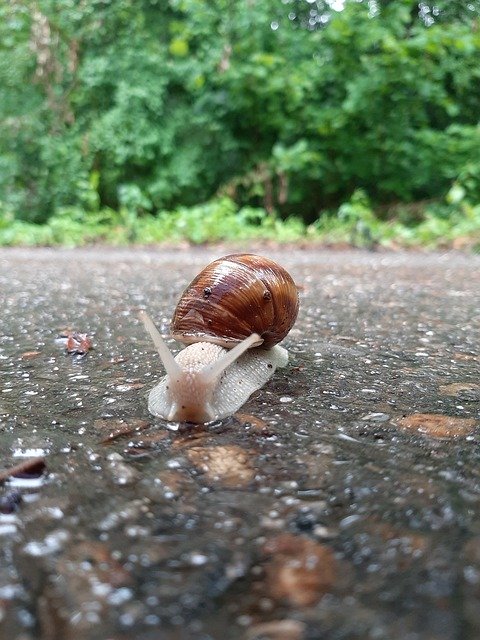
(232, 317)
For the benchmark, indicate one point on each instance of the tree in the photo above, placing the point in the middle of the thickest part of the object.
(293, 105)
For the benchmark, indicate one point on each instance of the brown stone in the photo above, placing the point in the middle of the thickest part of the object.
(256, 425)
(413, 544)
(437, 425)
(299, 570)
(228, 465)
(70, 605)
(173, 481)
(28, 355)
(93, 561)
(466, 390)
(465, 356)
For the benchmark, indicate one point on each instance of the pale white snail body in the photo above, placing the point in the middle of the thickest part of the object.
(206, 380)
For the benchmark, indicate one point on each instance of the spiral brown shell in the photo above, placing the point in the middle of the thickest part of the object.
(234, 297)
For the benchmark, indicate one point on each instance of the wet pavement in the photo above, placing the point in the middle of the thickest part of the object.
(343, 501)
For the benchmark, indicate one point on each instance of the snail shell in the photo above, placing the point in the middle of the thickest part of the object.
(233, 297)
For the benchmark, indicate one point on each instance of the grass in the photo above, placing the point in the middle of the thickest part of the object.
(355, 223)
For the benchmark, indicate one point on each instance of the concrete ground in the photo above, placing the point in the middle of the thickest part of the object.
(342, 501)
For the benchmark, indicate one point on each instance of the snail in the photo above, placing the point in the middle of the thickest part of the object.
(231, 317)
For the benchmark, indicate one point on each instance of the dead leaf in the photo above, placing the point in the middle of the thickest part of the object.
(119, 428)
(198, 434)
(76, 343)
(27, 468)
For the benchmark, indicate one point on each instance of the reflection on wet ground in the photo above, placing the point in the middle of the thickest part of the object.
(342, 502)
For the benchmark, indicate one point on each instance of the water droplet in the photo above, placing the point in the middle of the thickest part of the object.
(120, 596)
(9, 591)
(346, 522)
(29, 452)
(197, 559)
(50, 544)
(376, 417)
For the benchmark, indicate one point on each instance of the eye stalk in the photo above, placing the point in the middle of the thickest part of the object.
(168, 361)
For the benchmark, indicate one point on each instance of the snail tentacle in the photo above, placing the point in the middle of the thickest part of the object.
(215, 370)
(171, 366)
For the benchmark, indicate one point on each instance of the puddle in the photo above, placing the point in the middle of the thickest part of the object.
(349, 483)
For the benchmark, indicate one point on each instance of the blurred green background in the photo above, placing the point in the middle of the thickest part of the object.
(159, 120)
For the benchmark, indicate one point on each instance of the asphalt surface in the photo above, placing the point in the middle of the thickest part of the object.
(342, 501)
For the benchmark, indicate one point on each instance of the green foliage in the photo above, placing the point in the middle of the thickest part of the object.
(354, 222)
(117, 118)
(213, 221)
(440, 224)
